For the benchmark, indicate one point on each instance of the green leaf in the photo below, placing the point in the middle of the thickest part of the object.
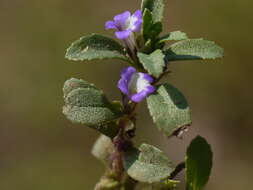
(74, 83)
(148, 164)
(147, 23)
(169, 109)
(156, 7)
(102, 149)
(150, 29)
(95, 46)
(153, 63)
(198, 164)
(193, 49)
(87, 105)
(173, 36)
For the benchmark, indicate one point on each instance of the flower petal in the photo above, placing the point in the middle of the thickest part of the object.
(138, 14)
(126, 76)
(137, 21)
(120, 19)
(138, 97)
(148, 77)
(143, 94)
(150, 89)
(110, 25)
(127, 73)
(123, 34)
(123, 86)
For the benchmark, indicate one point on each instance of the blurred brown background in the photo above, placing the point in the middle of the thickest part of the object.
(41, 150)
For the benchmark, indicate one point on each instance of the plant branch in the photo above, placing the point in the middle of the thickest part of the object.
(177, 170)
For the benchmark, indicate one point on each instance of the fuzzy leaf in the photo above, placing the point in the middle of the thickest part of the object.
(153, 63)
(95, 46)
(87, 105)
(156, 7)
(148, 164)
(103, 148)
(169, 109)
(173, 36)
(74, 83)
(193, 49)
(198, 164)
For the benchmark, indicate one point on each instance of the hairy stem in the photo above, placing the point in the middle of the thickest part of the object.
(118, 141)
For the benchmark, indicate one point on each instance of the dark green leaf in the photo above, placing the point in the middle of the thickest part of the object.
(169, 109)
(95, 46)
(147, 23)
(193, 49)
(148, 164)
(173, 36)
(153, 63)
(150, 29)
(156, 7)
(198, 164)
(87, 105)
(147, 48)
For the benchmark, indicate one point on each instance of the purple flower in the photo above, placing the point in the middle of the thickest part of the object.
(125, 24)
(135, 85)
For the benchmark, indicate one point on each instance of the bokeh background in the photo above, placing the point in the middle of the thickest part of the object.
(40, 149)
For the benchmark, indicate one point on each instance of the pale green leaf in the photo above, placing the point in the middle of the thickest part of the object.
(103, 148)
(173, 36)
(198, 164)
(153, 63)
(193, 49)
(169, 109)
(74, 83)
(148, 164)
(95, 46)
(87, 105)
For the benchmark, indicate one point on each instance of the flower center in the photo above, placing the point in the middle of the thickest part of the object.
(130, 23)
(137, 83)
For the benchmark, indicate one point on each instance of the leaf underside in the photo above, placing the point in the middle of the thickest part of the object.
(86, 104)
(103, 148)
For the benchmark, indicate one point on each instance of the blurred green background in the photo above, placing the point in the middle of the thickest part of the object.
(40, 149)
